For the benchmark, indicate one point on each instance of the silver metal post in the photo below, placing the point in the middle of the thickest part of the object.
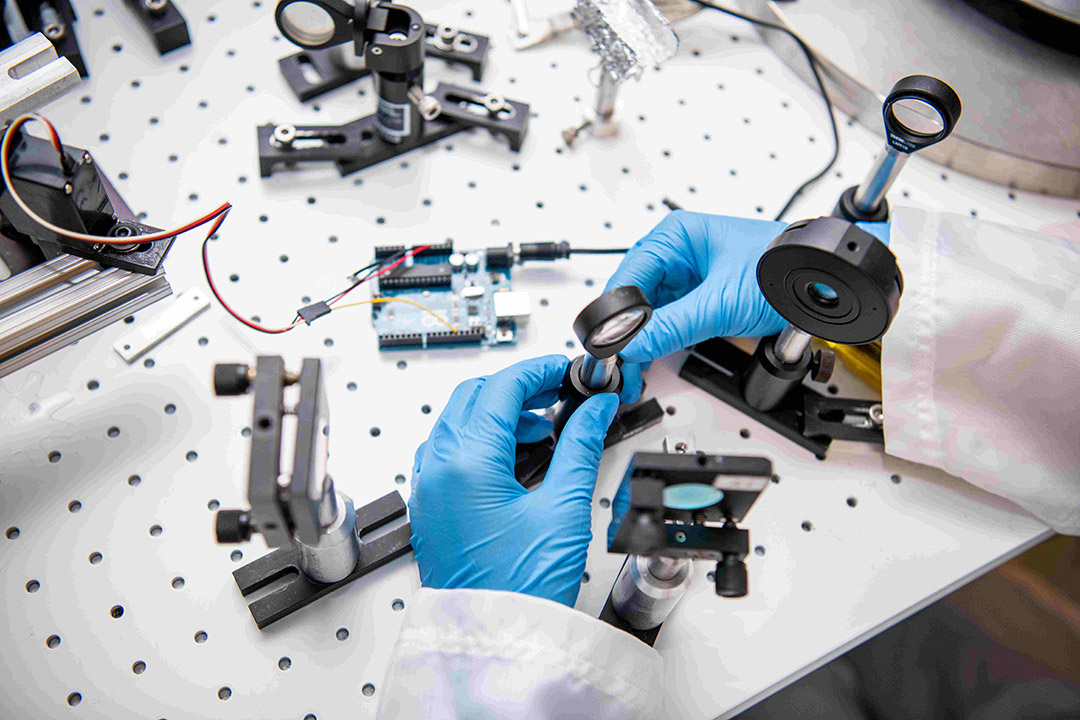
(665, 568)
(644, 599)
(336, 553)
(887, 166)
(791, 344)
(596, 372)
(328, 505)
(606, 92)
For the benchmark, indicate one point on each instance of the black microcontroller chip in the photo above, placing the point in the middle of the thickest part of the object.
(421, 275)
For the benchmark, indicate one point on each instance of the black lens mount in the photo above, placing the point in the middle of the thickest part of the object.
(941, 98)
(832, 279)
(594, 328)
(341, 13)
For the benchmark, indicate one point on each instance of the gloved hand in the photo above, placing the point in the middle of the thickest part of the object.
(700, 274)
(473, 525)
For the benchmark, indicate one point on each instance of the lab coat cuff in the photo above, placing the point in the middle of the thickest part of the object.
(536, 635)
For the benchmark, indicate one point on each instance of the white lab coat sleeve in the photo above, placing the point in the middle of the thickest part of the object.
(981, 367)
(485, 654)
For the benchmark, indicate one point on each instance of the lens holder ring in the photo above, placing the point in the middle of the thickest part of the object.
(340, 12)
(855, 265)
(607, 307)
(930, 90)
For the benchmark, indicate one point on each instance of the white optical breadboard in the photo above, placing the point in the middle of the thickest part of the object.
(724, 127)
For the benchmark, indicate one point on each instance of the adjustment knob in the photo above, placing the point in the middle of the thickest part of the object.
(233, 526)
(822, 365)
(731, 579)
(231, 379)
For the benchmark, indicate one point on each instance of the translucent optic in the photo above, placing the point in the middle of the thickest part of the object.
(691, 496)
(823, 295)
(918, 117)
(617, 327)
(306, 23)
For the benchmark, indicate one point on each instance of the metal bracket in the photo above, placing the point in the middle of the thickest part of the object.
(32, 75)
(843, 419)
(356, 145)
(165, 23)
(311, 73)
(480, 109)
(805, 416)
(55, 19)
(533, 458)
(137, 343)
(301, 590)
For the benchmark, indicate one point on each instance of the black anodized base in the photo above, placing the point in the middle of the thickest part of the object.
(301, 590)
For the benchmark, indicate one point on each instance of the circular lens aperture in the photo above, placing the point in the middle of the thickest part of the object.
(617, 328)
(691, 496)
(824, 295)
(306, 23)
(918, 117)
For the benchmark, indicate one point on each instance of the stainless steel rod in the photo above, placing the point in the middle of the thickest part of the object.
(791, 344)
(883, 173)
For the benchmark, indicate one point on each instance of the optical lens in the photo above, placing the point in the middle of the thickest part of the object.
(691, 496)
(306, 23)
(823, 295)
(617, 328)
(918, 117)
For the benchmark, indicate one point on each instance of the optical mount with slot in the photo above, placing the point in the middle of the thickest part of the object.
(316, 530)
(392, 40)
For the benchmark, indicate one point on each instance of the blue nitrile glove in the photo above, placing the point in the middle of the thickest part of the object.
(473, 525)
(700, 274)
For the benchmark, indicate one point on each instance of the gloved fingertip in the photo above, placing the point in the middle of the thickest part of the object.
(599, 409)
(418, 456)
(631, 389)
(880, 230)
(532, 428)
(642, 348)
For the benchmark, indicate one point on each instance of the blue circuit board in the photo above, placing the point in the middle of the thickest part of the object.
(462, 296)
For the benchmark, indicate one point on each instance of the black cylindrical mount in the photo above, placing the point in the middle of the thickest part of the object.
(574, 392)
(768, 379)
(831, 279)
(394, 45)
(845, 208)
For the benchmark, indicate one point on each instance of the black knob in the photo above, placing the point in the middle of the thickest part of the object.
(231, 379)
(822, 365)
(233, 526)
(731, 579)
